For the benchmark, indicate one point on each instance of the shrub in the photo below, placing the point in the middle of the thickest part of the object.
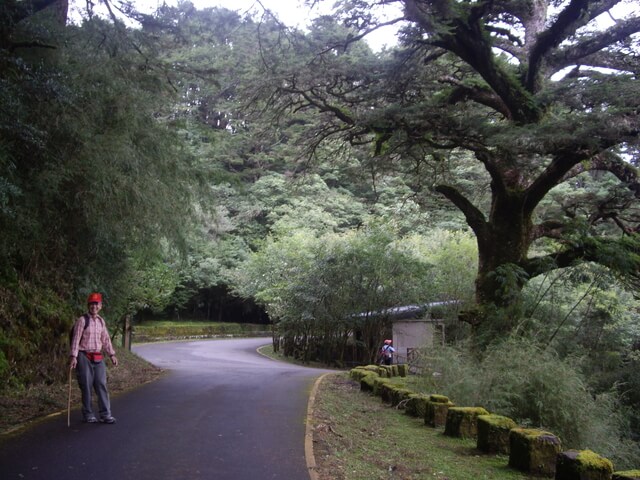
(534, 387)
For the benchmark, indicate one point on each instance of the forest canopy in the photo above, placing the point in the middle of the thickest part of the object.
(215, 165)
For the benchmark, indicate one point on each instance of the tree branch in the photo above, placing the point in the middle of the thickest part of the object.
(621, 255)
(321, 104)
(475, 218)
(593, 44)
(483, 96)
(459, 29)
(609, 162)
(569, 20)
(548, 229)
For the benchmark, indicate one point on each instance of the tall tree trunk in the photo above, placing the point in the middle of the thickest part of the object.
(502, 245)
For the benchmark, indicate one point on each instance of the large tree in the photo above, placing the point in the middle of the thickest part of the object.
(539, 93)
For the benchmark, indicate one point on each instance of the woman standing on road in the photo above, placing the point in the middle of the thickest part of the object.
(90, 338)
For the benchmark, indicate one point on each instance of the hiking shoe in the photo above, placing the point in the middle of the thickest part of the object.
(90, 420)
(108, 420)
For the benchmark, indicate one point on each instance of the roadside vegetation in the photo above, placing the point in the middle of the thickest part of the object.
(550, 392)
(358, 437)
(219, 166)
(182, 330)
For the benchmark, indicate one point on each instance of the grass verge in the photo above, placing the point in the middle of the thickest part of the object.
(356, 436)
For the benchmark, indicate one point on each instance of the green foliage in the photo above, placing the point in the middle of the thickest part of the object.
(454, 256)
(466, 93)
(91, 183)
(593, 317)
(163, 331)
(323, 290)
(535, 387)
(36, 326)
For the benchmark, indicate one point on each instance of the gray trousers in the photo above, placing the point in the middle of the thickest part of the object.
(93, 375)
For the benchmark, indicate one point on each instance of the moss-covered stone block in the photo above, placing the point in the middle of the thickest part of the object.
(626, 475)
(403, 369)
(367, 383)
(392, 392)
(534, 451)
(380, 384)
(385, 391)
(358, 372)
(399, 396)
(463, 421)
(582, 465)
(436, 412)
(493, 433)
(438, 399)
(416, 405)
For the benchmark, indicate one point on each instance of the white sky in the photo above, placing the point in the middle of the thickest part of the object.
(291, 12)
(294, 13)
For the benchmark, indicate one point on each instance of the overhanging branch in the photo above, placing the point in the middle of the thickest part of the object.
(566, 24)
(593, 44)
(612, 163)
(475, 218)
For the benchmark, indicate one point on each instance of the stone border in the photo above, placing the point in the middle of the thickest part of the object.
(308, 436)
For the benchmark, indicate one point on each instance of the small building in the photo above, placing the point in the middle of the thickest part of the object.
(417, 326)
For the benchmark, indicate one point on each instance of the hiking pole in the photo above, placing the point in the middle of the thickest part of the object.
(69, 402)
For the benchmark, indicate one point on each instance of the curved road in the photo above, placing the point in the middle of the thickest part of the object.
(223, 412)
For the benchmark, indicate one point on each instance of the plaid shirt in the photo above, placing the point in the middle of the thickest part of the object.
(94, 339)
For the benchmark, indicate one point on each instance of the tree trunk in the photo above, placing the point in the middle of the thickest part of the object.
(502, 244)
(126, 333)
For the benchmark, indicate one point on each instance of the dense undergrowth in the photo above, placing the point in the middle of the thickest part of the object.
(537, 388)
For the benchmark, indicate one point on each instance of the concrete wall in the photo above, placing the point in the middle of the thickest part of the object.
(408, 334)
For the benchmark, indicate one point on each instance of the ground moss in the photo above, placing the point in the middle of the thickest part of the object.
(498, 421)
(378, 384)
(367, 383)
(532, 433)
(385, 391)
(400, 395)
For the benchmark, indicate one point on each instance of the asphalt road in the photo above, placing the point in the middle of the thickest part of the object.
(223, 412)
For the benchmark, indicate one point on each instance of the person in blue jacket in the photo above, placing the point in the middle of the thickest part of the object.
(386, 352)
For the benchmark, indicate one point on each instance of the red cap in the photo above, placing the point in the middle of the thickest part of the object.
(94, 298)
